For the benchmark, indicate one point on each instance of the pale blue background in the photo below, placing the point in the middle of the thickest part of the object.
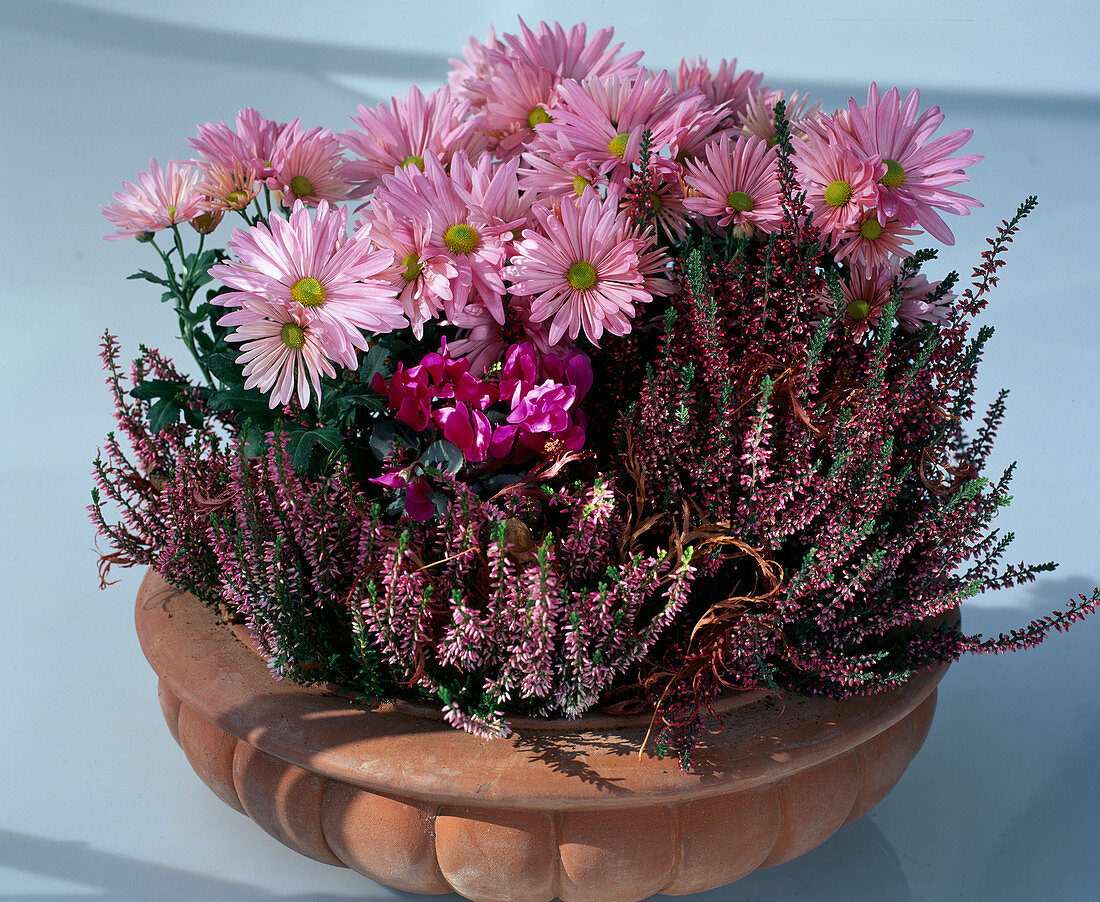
(97, 802)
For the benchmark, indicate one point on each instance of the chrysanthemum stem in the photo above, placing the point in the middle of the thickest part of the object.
(183, 293)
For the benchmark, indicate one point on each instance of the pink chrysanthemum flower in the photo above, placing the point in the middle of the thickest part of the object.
(483, 339)
(468, 75)
(600, 122)
(922, 303)
(309, 166)
(422, 280)
(283, 351)
(664, 197)
(581, 269)
(758, 115)
(160, 199)
(867, 242)
(253, 144)
(738, 186)
(518, 99)
(406, 132)
(569, 54)
(918, 170)
(840, 187)
(865, 293)
(225, 187)
(542, 178)
(311, 265)
(468, 232)
(726, 88)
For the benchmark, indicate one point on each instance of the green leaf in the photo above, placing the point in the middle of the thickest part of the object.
(148, 389)
(374, 361)
(300, 444)
(443, 455)
(166, 412)
(250, 402)
(382, 438)
(253, 439)
(224, 367)
(150, 277)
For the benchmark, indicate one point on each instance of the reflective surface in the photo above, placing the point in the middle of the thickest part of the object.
(97, 801)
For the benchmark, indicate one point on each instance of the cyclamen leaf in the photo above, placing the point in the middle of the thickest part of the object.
(443, 455)
(299, 445)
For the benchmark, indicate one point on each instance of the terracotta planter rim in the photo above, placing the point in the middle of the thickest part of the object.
(586, 764)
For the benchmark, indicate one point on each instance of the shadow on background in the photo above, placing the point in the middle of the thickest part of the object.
(58, 19)
(858, 856)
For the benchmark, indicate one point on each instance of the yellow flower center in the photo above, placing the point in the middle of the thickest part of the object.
(739, 201)
(413, 268)
(171, 210)
(617, 145)
(870, 229)
(461, 238)
(293, 336)
(858, 309)
(895, 175)
(237, 199)
(308, 292)
(838, 193)
(655, 201)
(581, 275)
(579, 184)
(537, 116)
(413, 160)
(301, 186)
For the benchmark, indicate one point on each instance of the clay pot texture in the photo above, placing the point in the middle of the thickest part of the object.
(567, 812)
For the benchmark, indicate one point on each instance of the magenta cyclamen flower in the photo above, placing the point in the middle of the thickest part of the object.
(159, 200)
(739, 185)
(581, 268)
(311, 266)
(918, 170)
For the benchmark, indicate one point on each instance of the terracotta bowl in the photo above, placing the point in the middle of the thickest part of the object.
(570, 812)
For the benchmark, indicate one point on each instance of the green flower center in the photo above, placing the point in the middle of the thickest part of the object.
(293, 336)
(739, 201)
(537, 116)
(579, 184)
(838, 193)
(858, 309)
(413, 160)
(171, 209)
(581, 275)
(301, 186)
(656, 202)
(413, 268)
(617, 145)
(461, 238)
(237, 198)
(308, 292)
(895, 175)
(870, 229)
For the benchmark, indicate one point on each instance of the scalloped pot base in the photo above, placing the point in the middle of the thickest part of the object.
(569, 812)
